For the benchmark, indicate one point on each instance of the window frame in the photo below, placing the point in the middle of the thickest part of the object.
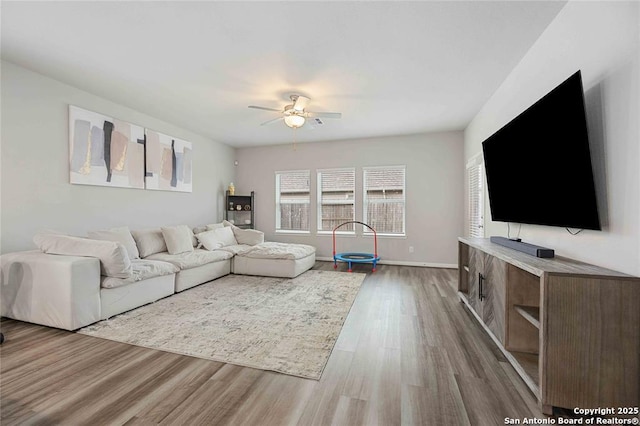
(319, 204)
(278, 203)
(366, 231)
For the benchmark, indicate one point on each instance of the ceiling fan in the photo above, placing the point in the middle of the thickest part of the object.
(295, 115)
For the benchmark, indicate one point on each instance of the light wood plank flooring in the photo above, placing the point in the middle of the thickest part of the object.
(409, 353)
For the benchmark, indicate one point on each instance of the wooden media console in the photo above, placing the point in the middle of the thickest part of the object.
(570, 329)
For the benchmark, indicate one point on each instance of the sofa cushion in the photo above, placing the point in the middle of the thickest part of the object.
(213, 226)
(114, 260)
(142, 269)
(192, 259)
(245, 236)
(248, 236)
(238, 248)
(149, 241)
(121, 235)
(178, 238)
(270, 250)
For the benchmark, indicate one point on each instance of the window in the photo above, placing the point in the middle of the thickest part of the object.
(336, 199)
(384, 199)
(292, 201)
(475, 193)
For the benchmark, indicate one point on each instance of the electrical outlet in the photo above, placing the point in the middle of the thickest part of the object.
(410, 249)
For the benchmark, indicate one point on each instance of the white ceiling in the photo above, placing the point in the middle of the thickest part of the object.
(390, 67)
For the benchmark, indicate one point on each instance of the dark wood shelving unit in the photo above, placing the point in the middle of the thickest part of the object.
(244, 217)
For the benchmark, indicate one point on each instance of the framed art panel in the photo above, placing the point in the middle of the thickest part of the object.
(105, 151)
(169, 163)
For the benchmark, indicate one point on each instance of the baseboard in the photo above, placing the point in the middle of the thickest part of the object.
(404, 263)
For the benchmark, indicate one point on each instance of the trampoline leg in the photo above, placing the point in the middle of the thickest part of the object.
(350, 270)
(374, 267)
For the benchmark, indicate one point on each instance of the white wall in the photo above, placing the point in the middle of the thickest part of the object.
(601, 39)
(36, 193)
(434, 187)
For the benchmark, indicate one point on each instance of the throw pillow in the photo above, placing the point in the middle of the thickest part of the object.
(226, 236)
(199, 229)
(251, 237)
(213, 226)
(149, 241)
(121, 235)
(209, 240)
(178, 239)
(114, 260)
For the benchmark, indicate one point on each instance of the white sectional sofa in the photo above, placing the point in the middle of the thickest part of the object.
(72, 282)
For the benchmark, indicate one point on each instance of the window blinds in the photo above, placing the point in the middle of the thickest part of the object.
(336, 199)
(384, 199)
(475, 190)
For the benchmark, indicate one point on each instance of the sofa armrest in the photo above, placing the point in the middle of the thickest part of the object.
(53, 290)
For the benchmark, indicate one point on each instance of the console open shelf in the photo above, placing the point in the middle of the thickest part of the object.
(529, 363)
(529, 313)
(553, 319)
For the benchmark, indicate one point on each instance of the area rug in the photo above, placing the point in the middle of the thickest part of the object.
(278, 324)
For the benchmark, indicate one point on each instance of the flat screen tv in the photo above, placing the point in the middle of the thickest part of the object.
(538, 166)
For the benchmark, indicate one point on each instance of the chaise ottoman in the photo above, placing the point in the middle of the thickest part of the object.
(275, 260)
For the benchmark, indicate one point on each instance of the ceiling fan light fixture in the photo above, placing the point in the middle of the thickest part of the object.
(295, 114)
(294, 121)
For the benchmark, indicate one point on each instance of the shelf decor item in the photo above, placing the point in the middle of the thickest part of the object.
(232, 189)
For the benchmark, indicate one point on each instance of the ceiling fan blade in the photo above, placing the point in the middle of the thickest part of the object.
(264, 108)
(324, 114)
(272, 121)
(301, 103)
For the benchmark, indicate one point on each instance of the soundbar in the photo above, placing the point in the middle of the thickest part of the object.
(527, 248)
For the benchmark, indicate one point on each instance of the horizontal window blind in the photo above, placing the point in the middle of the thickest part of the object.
(475, 190)
(336, 199)
(292, 200)
(384, 199)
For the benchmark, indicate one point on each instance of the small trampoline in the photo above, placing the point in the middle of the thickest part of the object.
(351, 258)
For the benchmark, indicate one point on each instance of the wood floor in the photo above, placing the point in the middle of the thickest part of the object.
(409, 353)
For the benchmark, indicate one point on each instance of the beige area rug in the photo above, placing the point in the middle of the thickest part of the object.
(278, 324)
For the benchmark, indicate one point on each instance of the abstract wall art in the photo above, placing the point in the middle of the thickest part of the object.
(105, 151)
(169, 163)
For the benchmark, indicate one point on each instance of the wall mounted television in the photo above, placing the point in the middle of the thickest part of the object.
(538, 166)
